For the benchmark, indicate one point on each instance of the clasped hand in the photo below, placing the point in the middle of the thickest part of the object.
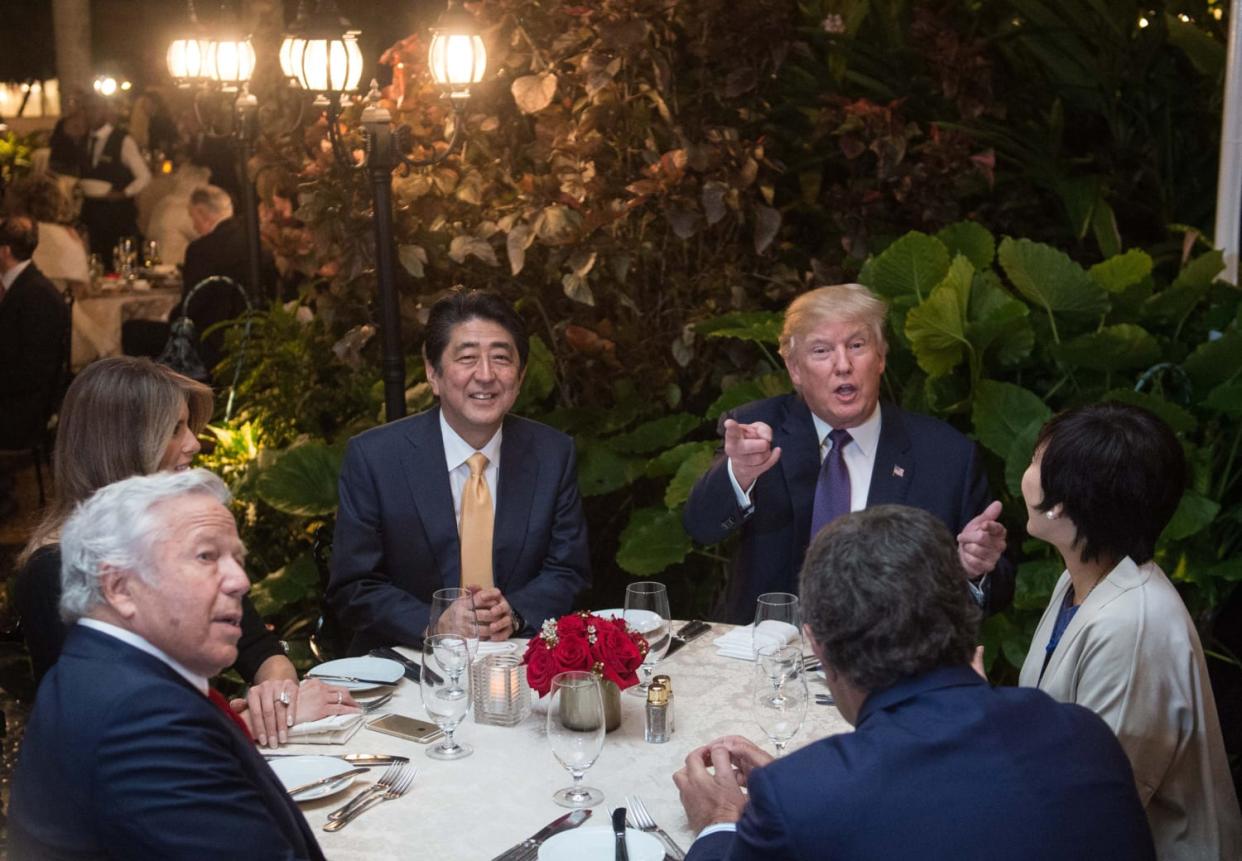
(711, 781)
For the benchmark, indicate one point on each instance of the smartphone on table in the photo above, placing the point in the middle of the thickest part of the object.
(411, 729)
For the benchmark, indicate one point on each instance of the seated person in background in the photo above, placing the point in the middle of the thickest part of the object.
(793, 463)
(68, 138)
(219, 250)
(33, 328)
(123, 417)
(940, 764)
(61, 253)
(1104, 482)
(416, 495)
(127, 753)
(169, 222)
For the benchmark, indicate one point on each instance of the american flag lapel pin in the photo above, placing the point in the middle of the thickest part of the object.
(898, 472)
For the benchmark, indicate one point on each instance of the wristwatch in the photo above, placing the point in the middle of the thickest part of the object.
(518, 622)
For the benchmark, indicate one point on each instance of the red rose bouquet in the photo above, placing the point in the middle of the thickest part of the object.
(581, 641)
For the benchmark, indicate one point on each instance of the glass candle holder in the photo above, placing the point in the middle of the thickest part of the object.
(501, 694)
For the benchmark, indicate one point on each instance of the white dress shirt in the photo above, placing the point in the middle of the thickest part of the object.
(142, 644)
(456, 452)
(130, 156)
(7, 279)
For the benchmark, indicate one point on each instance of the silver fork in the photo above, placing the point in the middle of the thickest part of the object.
(398, 788)
(643, 821)
(375, 704)
(386, 780)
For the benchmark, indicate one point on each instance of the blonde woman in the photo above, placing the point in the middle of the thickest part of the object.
(128, 416)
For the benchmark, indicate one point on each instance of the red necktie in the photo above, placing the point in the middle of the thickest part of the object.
(218, 700)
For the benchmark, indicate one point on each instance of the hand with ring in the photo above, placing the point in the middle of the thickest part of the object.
(320, 699)
(269, 709)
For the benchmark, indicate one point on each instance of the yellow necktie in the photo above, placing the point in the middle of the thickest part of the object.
(476, 526)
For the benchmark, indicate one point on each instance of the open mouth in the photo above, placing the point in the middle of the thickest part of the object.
(845, 391)
(233, 620)
(482, 396)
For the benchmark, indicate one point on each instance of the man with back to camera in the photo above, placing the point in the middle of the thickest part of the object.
(793, 463)
(464, 494)
(940, 764)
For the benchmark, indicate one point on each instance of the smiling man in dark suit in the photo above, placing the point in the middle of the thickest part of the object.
(462, 495)
(128, 753)
(792, 464)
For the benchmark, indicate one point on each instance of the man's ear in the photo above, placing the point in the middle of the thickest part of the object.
(117, 587)
(433, 378)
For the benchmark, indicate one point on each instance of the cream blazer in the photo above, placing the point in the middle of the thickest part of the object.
(1132, 655)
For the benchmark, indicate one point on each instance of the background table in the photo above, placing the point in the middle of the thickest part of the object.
(99, 312)
(477, 807)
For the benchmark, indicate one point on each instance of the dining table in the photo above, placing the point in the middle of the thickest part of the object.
(102, 308)
(479, 806)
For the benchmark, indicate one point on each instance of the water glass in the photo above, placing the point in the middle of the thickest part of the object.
(576, 733)
(453, 612)
(151, 254)
(777, 621)
(780, 694)
(446, 691)
(647, 612)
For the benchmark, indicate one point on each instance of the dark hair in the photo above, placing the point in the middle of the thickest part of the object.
(20, 234)
(1118, 472)
(885, 595)
(461, 306)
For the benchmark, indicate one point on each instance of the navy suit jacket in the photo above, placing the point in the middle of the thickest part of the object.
(123, 758)
(944, 766)
(396, 536)
(33, 326)
(919, 461)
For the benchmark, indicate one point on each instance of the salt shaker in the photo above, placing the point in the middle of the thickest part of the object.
(663, 679)
(657, 730)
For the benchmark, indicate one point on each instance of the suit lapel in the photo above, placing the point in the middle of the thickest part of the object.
(515, 488)
(894, 468)
(799, 463)
(426, 474)
(1120, 580)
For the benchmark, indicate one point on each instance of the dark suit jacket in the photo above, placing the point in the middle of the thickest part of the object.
(396, 535)
(33, 325)
(919, 462)
(944, 766)
(123, 758)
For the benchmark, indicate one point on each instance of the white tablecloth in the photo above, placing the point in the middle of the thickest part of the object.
(98, 315)
(477, 807)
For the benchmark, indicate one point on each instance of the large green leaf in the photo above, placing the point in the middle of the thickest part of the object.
(1194, 513)
(1122, 271)
(1049, 279)
(678, 490)
(1205, 53)
(653, 540)
(1226, 398)
(1177, 418)
(753, 389)
(1018, 458)
(1002, 411)
(303, 480)
(1187, 290)
(540, 376)
(653, 435)
(998, 320)
(972, 240)
(292, 584)
(908, 268)
(761, 326)
(601, 470)
(1213, 362)
(668, 462)
(1035, 581)
(936, 328)
(1113, 348)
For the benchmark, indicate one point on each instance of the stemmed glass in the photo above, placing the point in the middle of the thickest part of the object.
(777, 621)
(646, 611)
(576, 733)
(446, 690)
(780, 696)
(453, 612)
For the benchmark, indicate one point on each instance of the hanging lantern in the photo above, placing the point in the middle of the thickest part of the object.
(457, 56)
(187, 60)
(230, 62)
(322, 53)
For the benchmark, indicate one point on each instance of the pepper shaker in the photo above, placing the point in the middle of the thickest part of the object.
(657, 731)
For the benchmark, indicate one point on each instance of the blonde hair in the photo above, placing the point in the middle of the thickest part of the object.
(851, 303)
(115, 422)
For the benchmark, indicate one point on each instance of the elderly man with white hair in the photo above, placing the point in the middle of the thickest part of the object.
(128, 753)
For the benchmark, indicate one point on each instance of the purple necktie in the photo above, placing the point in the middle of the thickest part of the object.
(832, 490)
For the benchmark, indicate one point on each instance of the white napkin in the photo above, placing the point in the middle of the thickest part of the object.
(741, 642)
(502, 647)
(333, 729)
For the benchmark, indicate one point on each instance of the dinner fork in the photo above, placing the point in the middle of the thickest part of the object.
(386, 780)
(643, 821)
(373, 705)
(399, 787)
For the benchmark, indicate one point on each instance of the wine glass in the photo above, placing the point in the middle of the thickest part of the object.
(646, 611)
(780, 695)
(777, 621)
(453, 612)
(576, 732)
(446, 690)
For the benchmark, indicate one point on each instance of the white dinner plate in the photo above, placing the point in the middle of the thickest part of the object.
(382, 670)
(642, 621)
(590, 844)
(296, 771)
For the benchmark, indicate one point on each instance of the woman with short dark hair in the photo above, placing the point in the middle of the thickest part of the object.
(1104, 482)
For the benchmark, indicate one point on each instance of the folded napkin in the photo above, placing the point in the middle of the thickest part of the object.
(503, 647)
(741, 642)
(333, 729)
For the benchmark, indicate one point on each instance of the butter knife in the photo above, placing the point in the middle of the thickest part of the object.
(686, 633)
(528, 847)
(413, 670)
(324, 781)
(366, 760)
(357, 680)
(620, 851)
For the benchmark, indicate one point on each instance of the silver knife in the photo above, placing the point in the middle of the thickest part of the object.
(686, 633)
(528, 847)
(324, 781)
(326, 677)
(367, 760)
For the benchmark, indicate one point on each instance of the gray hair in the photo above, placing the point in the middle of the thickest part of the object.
(117, 527)
(213, 199)
(885, 596)
(836, 303)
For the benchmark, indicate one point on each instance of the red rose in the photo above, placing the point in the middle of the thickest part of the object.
(572, 653)
(572, 625)
(541, 666)
(617, 651)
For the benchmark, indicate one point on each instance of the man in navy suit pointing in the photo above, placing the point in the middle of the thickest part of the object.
(792, 464)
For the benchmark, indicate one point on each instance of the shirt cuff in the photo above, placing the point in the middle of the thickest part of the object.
(742, 496)
(977, 589)
(718, 827)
